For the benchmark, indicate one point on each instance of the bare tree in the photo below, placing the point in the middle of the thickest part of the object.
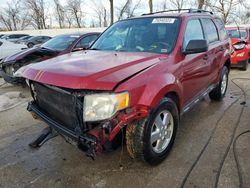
(124, 9)
(69, 19)
(178, 4)
(100, 13)
(6, 21)
(128, 9)
(75, 8)
(224, 7)
(60, 13)
(14, 17)
(37, 12)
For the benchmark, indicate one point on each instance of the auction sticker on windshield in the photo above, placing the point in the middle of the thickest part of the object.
(163, 20)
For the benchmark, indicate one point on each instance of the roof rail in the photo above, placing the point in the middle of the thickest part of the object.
(190, 10)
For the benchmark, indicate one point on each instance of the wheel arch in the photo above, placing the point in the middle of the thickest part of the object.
(175, 97)
(228, 64)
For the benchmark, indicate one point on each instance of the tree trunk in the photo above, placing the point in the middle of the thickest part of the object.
(150, 4)
(201, 4)
(111, 11)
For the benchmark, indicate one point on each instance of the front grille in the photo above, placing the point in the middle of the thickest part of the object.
(59, 106)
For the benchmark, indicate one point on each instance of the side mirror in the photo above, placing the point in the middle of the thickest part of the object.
(196, 46)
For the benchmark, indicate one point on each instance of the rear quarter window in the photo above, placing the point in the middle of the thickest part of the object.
(210, 30)
(221, 29)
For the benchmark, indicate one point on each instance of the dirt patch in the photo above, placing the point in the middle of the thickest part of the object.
(10, 100)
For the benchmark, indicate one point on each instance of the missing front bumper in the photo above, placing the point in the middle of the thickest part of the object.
(85, 142)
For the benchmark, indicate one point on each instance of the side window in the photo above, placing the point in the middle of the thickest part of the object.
(210, 30)
(193, 31)
(221, 28)
(1, 43)
(86, 41)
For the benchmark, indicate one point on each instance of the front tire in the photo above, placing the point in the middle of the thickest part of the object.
(151, 139)
(244, 67)
(220, 90)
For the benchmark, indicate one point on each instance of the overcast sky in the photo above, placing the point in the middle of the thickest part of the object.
(88, 7)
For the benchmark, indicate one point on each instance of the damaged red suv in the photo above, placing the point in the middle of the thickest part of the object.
(240, 40)
(138, 78)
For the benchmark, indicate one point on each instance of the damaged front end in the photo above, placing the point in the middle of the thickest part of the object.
(9, 66)
(7, 71)
(72, 115)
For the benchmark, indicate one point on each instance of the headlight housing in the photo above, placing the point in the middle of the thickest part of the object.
(239, 46)
(103, 106)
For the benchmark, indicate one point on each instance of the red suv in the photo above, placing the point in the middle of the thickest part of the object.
(137, 78)
(240, 53)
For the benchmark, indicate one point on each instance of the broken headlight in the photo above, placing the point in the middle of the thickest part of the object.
(239, 45)
(103, 106)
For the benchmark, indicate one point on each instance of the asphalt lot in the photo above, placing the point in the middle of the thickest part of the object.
(202, 154)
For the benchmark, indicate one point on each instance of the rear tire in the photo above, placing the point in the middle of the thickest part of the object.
(220, 90)
(151, 139)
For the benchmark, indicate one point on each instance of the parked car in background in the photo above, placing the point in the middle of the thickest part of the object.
(56, 46)
(1, 35)
(36, 40)
(139, 76)
(22, 39)
(13, 37)
(8, 48)
(240, 52)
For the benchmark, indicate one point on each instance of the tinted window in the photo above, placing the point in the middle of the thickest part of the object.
(210, 30)
(1, 43)
(221, 28)
(86, 41)
(193, 31)
(60, 43)
(157, 35)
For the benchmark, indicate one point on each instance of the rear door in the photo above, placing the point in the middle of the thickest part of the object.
(195, 68)
(215, 51)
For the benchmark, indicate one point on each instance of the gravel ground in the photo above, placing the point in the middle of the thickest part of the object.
(201, 157)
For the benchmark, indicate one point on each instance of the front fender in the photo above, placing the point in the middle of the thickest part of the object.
(159, 87)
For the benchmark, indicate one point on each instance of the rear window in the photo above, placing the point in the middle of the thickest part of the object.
(235, 33)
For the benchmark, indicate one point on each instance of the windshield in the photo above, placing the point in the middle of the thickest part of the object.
(60, 43)
(157, 35)
(237, 33)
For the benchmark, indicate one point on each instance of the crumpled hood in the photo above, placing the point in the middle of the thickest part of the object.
(236, 40)
(19, 55)
(96, 70)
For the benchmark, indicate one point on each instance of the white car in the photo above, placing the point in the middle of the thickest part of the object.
(8, 48)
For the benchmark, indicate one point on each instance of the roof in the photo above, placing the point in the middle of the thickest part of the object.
(78, 33)
(179, 13)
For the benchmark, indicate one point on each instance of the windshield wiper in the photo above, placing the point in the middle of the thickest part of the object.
(50, 49)
(93, 49)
